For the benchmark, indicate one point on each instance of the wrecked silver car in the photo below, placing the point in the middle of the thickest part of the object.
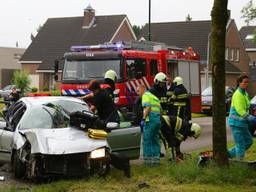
(40, 139)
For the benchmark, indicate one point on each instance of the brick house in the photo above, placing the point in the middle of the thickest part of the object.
(57, 35)
(247, 34)
(196, 34)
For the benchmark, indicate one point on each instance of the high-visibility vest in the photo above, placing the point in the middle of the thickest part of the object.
(150, 100)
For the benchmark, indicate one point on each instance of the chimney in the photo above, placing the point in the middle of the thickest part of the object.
(89, 17)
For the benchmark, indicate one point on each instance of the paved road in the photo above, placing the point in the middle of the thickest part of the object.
(205, 140)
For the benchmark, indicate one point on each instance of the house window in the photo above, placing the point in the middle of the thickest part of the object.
(226, 53)
(237, 55)
(231, 54)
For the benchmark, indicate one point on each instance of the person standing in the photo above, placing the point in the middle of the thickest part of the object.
(181, 100)
(239, 119)
(103, 103)
(159, 89)
(170, 95)
(151, 126)
(110, 79)
(14, 95)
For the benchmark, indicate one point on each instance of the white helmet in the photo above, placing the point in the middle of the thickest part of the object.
(160, 78)
(196, 129)
(178, 81)
(111, 74)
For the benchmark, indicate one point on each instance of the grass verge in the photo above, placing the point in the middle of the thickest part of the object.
(182, 177)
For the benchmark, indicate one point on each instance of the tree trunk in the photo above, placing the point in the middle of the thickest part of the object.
(219, 16)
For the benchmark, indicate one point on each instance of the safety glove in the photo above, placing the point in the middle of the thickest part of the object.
(142, 123)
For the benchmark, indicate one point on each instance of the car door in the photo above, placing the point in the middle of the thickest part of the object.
(7, 130)
(125, 140)
(6, 140)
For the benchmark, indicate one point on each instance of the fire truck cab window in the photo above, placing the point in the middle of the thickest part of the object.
(89, 69)
(153, 67)
(135, 68)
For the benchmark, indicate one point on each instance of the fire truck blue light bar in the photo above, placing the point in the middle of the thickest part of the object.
(115, 46)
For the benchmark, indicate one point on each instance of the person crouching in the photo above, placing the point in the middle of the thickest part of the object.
(174, 130)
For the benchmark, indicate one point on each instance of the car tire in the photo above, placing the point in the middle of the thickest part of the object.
(104, 169)
(18, 167)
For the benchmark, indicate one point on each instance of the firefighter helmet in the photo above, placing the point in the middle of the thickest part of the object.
(160, 78)
(111, 74)
(196, 129)
(178, 81)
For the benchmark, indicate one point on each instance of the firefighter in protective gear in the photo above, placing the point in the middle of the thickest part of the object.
(170, 95)
(103, 103)
(151, 127)
(110, 79)
(174, 130)
(181, 100)
(159, 90)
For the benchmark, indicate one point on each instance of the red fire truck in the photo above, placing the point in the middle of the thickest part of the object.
(133, 66)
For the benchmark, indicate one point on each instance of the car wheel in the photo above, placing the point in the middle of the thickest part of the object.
(100, 167)
(104, 169)
(19, 167)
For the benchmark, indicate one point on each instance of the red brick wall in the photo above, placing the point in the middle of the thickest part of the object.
(233, 41)
(124, 34)
(31, 68)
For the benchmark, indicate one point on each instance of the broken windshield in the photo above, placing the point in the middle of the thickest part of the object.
(51, 115)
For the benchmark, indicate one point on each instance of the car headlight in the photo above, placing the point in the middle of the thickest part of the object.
(98, 153)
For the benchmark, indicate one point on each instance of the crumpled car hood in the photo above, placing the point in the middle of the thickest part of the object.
(61, 141)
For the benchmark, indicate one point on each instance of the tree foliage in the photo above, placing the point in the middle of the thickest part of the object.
(249, 12)
(219, 16)
(21, 80)
(137, 30)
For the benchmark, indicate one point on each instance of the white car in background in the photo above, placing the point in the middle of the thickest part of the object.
(5, 92)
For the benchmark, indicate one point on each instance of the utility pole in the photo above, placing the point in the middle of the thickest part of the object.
(149, 21)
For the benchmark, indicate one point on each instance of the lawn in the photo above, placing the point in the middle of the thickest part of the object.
(184, 176)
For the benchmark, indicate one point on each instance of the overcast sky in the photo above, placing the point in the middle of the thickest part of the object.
(20, 18)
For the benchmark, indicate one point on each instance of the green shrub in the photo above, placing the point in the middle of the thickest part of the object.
(55, 93)
(21, 80)
(34, 89)
(45, 89)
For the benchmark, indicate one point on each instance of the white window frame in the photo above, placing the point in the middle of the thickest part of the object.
(226, 53)
(237, 54)
(232, 55)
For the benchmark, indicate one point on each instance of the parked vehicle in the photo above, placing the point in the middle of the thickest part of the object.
(206, 102)
(40, 138)
(5, 92)
(135, 63)
(253, 112)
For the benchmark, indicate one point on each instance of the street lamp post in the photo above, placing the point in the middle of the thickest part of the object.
(149, 21)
